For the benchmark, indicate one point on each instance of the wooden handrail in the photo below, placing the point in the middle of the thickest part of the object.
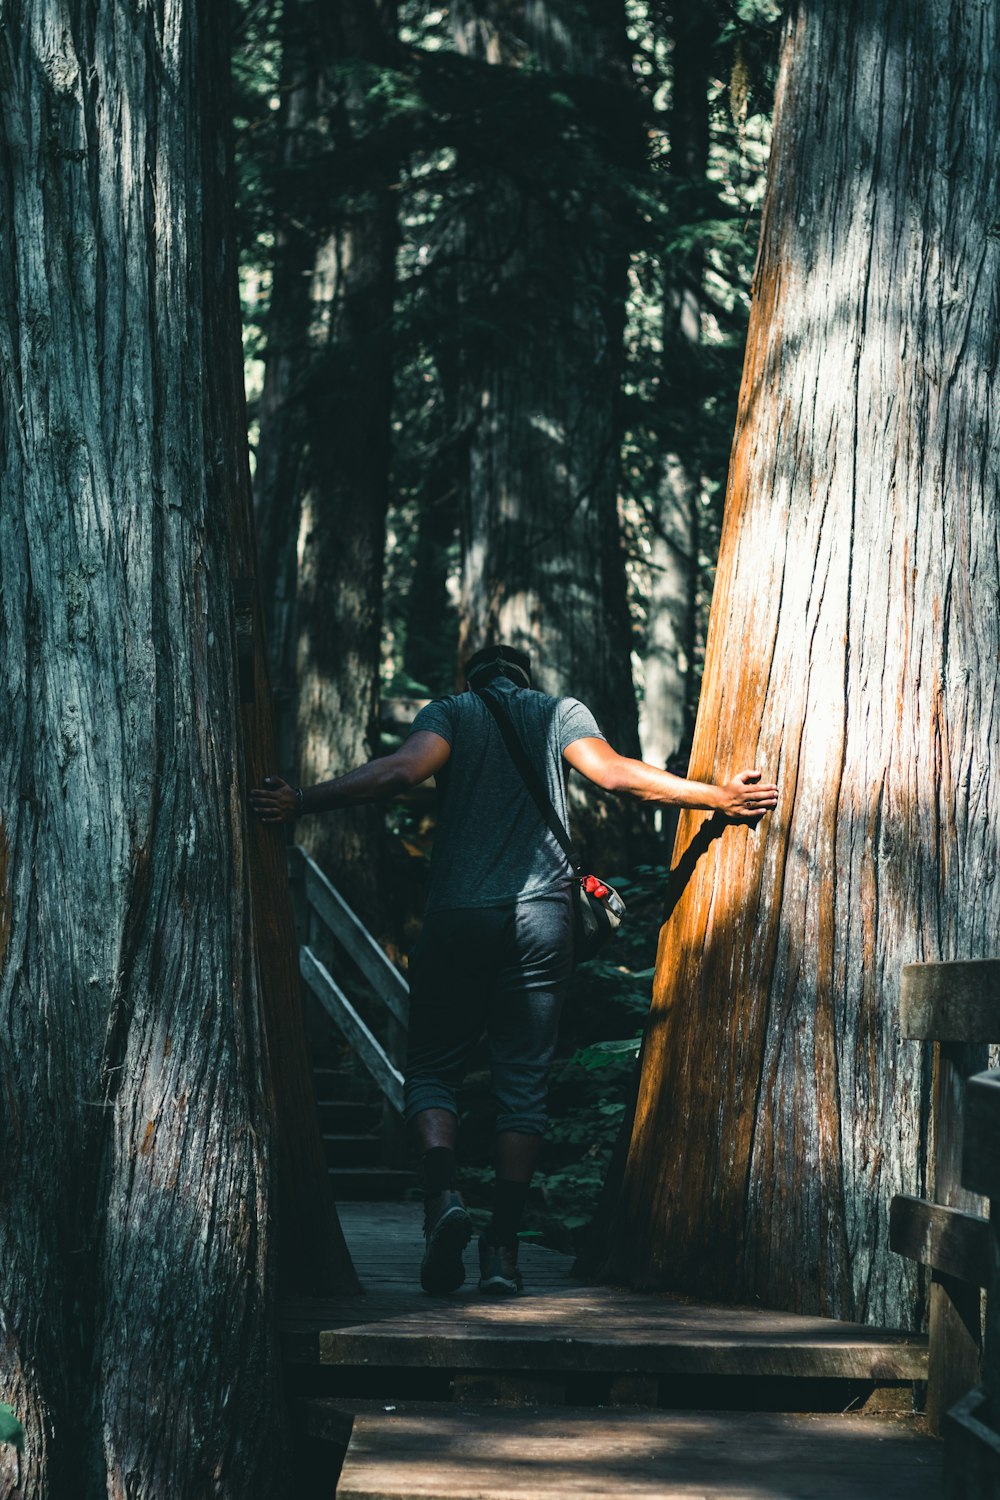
(365, 1044)
(348, 929)
(388, 984)
(945, 1239)
(951, 1002)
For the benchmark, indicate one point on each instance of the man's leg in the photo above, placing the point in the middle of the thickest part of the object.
(516, 1155)
(445, 1024)
(523, 1026)
(434, 1133)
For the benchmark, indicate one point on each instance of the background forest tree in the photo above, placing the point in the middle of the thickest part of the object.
(532, 188)
(548, 205)
(162, 1166)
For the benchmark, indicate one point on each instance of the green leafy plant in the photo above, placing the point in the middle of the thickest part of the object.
(11, 1430)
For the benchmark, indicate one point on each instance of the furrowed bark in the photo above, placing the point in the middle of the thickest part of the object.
(136, 1261)
(852, 655)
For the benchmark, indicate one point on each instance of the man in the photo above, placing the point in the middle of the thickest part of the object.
(496, 951)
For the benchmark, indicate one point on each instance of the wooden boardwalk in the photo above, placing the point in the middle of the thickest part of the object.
(567, 1454)
(574, 1390)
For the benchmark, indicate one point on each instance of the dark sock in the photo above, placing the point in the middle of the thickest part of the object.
(509, 1199)
(438, 1166)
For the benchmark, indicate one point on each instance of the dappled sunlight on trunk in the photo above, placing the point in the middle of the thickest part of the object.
(851, 656)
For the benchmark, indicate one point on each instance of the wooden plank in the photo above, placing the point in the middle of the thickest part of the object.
(981, 1150)
(951, 1002)
(364, 1043)
(575, 1347)
(947, 1239)
(386, 980)
(624, 1330)
(432, 1452)
(562, 1326)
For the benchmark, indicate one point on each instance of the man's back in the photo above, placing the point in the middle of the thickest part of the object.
(491, 846)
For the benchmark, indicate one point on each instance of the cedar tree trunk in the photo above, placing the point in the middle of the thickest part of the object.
(137, 1265)
(852, 654)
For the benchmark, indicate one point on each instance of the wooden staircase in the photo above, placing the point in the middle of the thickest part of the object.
(355, 1139)
(350, 982)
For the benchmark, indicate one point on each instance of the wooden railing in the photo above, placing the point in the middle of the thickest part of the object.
(320, 904)
(972, 1426)
(954, 1007)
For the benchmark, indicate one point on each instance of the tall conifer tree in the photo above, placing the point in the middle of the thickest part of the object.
(852, 651)
(138, 967)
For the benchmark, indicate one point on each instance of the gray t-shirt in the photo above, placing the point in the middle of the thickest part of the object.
(491, 845)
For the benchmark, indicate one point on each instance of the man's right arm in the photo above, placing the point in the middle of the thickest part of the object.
(422, 755)
(746, 796)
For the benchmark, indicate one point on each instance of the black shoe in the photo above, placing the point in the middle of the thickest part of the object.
(447, 1231)
(498, 1273)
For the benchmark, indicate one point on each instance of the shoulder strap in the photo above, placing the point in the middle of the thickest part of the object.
(529, 775)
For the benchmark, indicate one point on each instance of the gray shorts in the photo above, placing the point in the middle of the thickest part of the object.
(498, 970)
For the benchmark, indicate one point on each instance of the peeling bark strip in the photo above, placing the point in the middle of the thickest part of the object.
(135, 1268)
(853, 652)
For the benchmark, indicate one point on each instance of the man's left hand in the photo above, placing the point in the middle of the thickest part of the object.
(275, 801)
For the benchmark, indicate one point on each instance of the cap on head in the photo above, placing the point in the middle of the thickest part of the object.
(498, 661)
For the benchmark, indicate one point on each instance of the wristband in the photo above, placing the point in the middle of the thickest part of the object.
(299, 800)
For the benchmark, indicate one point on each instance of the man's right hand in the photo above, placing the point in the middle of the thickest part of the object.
(275, 801)
(746, 796)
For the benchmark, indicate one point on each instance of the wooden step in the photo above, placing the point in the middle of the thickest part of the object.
(432, 1452)
(370, 1184)
(344, 1085)
(570, 1334)
(352, 1150)
(344, 1116)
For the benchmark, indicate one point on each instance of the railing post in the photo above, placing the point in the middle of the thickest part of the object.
(972, 1429)
(954, 1007)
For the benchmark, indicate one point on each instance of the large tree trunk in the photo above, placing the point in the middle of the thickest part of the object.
(137, 1268)
(669, 699)
(853, 652)
(322, 478)
(543, 291)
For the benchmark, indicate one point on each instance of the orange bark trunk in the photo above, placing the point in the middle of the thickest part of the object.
(852, 654)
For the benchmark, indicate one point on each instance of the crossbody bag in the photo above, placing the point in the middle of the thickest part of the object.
(598, 909)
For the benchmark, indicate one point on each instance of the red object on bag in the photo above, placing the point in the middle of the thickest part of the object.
(594, 887)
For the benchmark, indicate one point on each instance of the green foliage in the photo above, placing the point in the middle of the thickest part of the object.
(11, 1430)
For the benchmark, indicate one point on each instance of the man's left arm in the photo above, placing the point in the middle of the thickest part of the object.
(420, 756)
